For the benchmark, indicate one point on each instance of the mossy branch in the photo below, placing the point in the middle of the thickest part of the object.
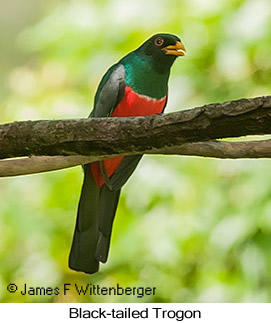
(57, 144)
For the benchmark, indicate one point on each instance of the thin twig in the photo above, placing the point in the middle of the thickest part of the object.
(217, 149)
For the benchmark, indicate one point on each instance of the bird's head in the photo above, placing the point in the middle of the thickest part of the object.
(163, 49)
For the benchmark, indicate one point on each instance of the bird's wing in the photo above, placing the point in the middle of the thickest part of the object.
(97, 206)
(110, 92)
(125, 169)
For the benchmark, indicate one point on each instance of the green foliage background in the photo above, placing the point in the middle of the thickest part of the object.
(197, 229)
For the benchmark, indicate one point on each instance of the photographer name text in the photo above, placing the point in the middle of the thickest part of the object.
(81, 290)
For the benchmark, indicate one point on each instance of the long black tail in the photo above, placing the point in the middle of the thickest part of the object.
(95, 215)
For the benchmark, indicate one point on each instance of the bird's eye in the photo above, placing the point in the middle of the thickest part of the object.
(159, 41)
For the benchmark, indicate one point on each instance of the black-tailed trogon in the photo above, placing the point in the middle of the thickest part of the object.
(136, 86)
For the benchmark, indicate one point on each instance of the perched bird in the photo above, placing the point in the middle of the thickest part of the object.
(136, 86)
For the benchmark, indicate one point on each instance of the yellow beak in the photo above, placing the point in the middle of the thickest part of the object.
(177, 50)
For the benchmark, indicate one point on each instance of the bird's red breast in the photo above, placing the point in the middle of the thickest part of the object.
(132, 105)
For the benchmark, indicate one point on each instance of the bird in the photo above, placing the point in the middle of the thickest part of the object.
(135, 86)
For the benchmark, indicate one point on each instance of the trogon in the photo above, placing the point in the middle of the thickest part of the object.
(135, 86)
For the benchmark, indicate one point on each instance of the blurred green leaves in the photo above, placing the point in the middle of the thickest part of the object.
(197, 229)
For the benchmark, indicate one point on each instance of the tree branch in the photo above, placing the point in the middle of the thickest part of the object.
(109, 136)
(188, 132)
(216, 149)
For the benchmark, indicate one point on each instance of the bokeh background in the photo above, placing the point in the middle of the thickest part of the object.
(197, 229)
